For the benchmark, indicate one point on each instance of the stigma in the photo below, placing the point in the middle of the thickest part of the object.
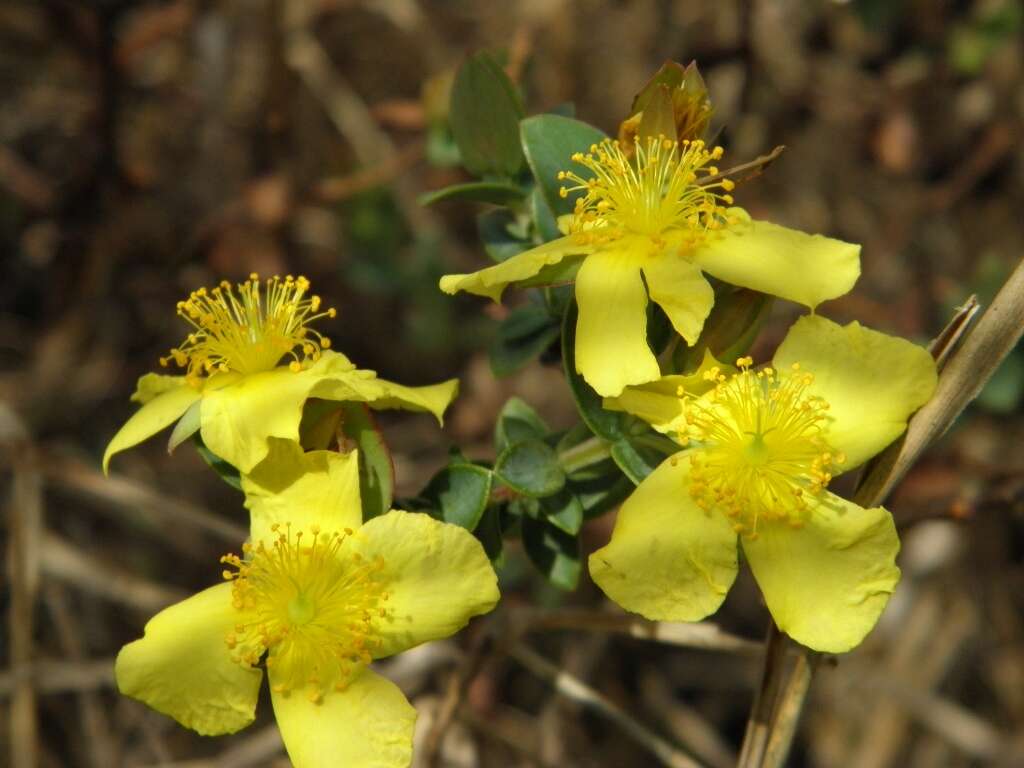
(660, 185)
(308, 603)
(249, 327)
(759, 448)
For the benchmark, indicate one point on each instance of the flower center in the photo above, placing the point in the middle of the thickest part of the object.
(664, 185)
(310, 604)
(760, 449)
(249, 327)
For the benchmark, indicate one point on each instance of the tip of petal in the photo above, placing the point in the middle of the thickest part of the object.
(472, 283)
(452, 385)
(450, 283)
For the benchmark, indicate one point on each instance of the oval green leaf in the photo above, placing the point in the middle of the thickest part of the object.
(484, 113)
(555, 553)
(459, 494)
(549, 142)
(530, 468)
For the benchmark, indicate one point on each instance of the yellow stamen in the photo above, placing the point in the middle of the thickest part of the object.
(654, 189)
(312, 605)
(249, 327)
(762, 452)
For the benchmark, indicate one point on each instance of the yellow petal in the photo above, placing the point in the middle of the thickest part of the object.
(237, 419)
(659, 402)
(611, 332)
(667, 560)
(827, 582)
(369, 724)
(183, 668)
(363, 386)
(807, 269)
(433, 398)
(679, 288)
(437, 577)
(490, 282)
(156, 414)
(872, 382)
(152, 385)
(656, 402)
(304, 489)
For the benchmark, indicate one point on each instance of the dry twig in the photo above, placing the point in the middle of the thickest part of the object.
(703, 635)
(25, 525)
(98, 740)
(63, 561)
(755, 740)
(577, 691)
(140, 502)
(60, 676)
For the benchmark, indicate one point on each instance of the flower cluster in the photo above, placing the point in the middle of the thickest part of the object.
(323, 587)
(317, 593)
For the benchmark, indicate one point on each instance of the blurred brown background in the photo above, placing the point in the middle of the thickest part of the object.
(148, 148)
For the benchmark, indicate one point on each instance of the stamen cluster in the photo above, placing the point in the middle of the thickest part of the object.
(248, 328)
(311, 605)
(662, 184)
(760, 447)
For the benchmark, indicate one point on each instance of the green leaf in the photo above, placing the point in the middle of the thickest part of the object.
(636, 461)
(524, 334)
(549, 142)
(497, 232)
(564, 511)
(459, 493)
(659, 327)
(227, 472)
(601, 493)
(522, 507)
(441, 149)
(543, 218)
(484, 113)
(518, 422)
(530, 468)
(730, 329)
(555, 553)
(496, 192)
(606, 424)
(376, 471)
(488, 531)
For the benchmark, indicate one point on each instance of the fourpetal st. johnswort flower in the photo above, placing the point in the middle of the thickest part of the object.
(251, 361)
(650, 223)
(759, 449)
(316, 596)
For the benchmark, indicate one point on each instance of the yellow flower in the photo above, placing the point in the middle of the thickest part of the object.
(317, 596)
(760, 447)
(235, 390)
(662, 219)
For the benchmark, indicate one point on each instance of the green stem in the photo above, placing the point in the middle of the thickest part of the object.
(660, 443)
(590, 451)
